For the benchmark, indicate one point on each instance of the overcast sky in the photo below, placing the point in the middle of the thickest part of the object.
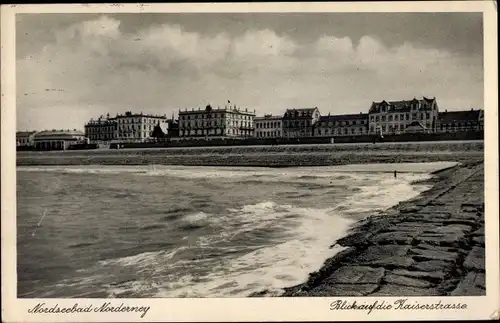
(71, 67)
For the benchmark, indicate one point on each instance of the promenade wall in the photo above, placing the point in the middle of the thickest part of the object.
(270, 156)
(407, 137)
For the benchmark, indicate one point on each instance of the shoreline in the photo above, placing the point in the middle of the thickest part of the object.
(368, 278)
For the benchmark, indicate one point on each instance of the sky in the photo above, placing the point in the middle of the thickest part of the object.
(73, 67)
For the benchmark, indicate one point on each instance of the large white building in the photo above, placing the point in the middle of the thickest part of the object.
(342, 125)
(395, 117)
(138, 127)
(58, 139)
(268, 126)
(228, 121)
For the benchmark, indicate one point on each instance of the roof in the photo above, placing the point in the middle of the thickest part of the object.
(24, 133)
(129, 114)
(299, 113)
(343, 117)
(268, 117)
(452, 116)
(402, 106)
(210, 109)
(51, 133)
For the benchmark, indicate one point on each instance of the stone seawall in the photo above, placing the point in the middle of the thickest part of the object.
(273, 156)
(430, 246)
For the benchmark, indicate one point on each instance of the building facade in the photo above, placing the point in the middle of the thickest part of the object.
(138, 127)
(58, 139)
(396, 116)
(102, 130)
(300, 122)
(457, 121)
(268, 126)
(342, 125)
(228, 121)
(25, 139)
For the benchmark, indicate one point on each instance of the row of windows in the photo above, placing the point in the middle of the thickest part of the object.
(215, 116)
(135, 127)
(400, 116)
(395, 127)
(141, 120)
(340, 131)
(205, 124)
(268, 134)
(342, 123)
(267, 125)
(100, 129)
(296, 124)
(138, 134)
(217, 131)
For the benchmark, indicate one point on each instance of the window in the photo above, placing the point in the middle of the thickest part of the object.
(390, 117)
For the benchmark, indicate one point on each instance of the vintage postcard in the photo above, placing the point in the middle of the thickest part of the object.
(250, 162)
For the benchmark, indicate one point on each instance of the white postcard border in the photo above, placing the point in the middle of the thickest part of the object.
(247, 309)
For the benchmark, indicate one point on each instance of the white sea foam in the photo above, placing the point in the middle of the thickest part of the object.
(301, 247)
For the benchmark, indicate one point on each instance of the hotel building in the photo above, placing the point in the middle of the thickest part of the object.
(342, 125)
(103, 130)
(395, 117)
(268, 126)
(138, 127)
(228, 121)
(300, 122)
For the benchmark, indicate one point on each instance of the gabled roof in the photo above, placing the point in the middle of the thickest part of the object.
(402, 106)
(417, 124)
(453, 116)
(299, 113)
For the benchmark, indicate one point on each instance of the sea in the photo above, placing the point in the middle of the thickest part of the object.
(175, 231)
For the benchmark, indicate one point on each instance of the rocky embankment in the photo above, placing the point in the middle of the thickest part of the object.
(266, 156)
(430, 246)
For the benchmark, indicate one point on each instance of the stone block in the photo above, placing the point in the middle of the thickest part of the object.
(395, 237)
(442, 239)
(406, 281)
(451, 229)
(344, 290)
(356, 275)
(433, 276)
(432, 266)
(429, 254)
(386, 255)
(471, 285)
(479, 232)
(475, 260)
(399, 290)
(409, 209)
(434, 248)
(478, 240)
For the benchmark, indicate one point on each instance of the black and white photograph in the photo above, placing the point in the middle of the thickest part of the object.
(314, 155)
